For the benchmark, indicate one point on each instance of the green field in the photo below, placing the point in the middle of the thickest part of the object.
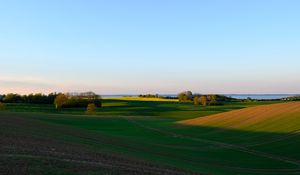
(150, 132)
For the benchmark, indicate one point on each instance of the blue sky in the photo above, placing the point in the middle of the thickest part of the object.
(154, 46)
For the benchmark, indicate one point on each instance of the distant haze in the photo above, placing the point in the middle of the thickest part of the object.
(154, 46)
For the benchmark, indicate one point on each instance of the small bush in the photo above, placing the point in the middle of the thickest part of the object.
(91, 108)
(2, 106)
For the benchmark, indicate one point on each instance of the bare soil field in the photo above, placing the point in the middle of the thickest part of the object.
(28, 147)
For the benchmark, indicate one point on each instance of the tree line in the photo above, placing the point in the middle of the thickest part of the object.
(292, 98)
(60, 100)
(156, 96)
(203, 99)
(77, 100)
(31, 98)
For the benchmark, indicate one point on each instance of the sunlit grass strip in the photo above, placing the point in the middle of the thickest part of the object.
(143, 99)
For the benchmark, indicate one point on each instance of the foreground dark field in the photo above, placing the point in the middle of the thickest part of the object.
(35, 147)
(133, 137)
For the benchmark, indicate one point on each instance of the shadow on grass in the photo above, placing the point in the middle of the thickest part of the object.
(201, 149)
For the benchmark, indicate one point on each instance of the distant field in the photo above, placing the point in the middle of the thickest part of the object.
(143, 99)
(121, 107)
(153, 137)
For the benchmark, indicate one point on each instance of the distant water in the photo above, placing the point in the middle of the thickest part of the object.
(237, 96)
(260, 96)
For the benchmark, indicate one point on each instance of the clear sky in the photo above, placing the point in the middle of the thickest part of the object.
(150, 46)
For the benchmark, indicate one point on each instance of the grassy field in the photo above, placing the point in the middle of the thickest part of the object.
(132, 98)
(154, 136)
(121, 107)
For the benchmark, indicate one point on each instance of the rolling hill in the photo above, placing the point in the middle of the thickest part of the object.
(254, 140)
(281, 118)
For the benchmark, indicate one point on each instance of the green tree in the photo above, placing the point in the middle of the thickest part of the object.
(181, 97)
(196, 100)
(212, 99)
(185, 96)
(12, 98)
(203, 100)
(60, 100)
(91, 108)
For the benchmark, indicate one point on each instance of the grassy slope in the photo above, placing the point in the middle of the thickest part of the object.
(159, 139)
(269, 118)
(119, 107)
(280, 124)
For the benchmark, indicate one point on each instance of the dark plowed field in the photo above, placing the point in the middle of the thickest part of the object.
(32, 147)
